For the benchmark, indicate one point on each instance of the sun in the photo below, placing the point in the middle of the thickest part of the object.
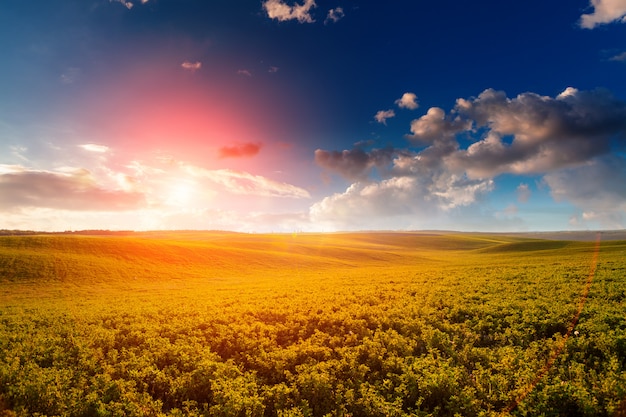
(180, 193)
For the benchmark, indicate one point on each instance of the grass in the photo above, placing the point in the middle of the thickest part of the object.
(209, 323)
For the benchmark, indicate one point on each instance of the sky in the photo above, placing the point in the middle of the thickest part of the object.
(315, 115)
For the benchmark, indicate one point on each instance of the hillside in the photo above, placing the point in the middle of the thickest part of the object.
(367, 324)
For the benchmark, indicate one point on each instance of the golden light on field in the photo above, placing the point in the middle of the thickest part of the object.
(417, 323)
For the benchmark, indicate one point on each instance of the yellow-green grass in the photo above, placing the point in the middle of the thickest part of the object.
(209, 323)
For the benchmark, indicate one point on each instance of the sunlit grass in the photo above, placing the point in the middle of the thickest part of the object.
(200, 323)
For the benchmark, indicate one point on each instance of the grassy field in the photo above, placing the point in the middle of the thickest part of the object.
(359, 324)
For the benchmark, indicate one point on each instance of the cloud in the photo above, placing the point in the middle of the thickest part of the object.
(244, 72)
(605, 11)
(407, 101)
(191, 66)
(244, 183)
(619, 57)
(367, 202)
(354, 164)
(90, 147)
(381, 203)
(334, 15)
(273, 70)
(598, 188)
(126, 4)
(383, 115)
(75, 190)
(523, 193)
(563, 138)
(280, 11)
(534, 134)
(241, 150)
(413, 184)
(436, 126)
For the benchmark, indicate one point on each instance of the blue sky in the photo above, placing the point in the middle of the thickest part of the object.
(313, 115)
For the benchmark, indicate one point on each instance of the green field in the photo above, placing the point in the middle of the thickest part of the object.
(360, 324)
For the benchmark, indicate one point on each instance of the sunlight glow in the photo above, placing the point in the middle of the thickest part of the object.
(180, 193)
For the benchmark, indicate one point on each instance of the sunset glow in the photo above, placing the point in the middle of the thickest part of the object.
(283, 116)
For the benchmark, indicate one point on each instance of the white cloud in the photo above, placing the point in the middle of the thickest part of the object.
(244, 183)
(604, 11)
(19, 152)
(619, 57)
(280, 11)
(91, 147)
(191, 66)
(125, 3)
(566, 138)
(334, 15)
(244, 72)
(416, 184)
(365, 204)
(73, 189)
(408, 101)
(436, 126)
(383, 115)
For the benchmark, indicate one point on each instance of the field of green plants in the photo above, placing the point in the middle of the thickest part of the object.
(362, 324)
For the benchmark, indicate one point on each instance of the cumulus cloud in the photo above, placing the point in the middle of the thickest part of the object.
(383, 115)
(436, 126)
(276, 9)
(414, 183)
(367, 201)
(334, 15)
(604, 11)
(399, 196)
(354, 164)
(244, 183)
(75, 190)
(534, 134)
(191, 66)
(240, 150)
(563, 138)
(408, 101)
